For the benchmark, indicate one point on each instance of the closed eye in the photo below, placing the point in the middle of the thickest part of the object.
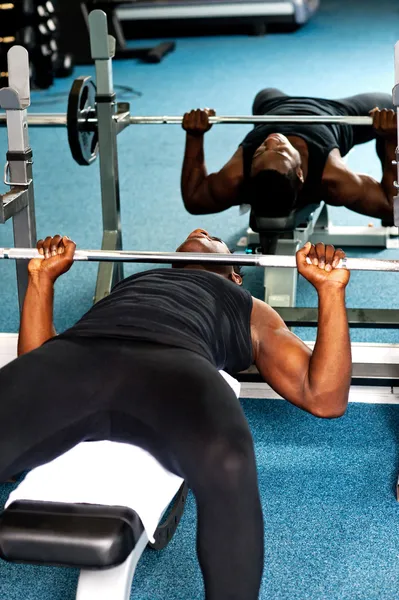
(280, 152)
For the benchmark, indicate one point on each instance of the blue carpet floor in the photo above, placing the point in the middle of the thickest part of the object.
(331, 519)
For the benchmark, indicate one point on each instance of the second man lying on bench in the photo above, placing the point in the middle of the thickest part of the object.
(280, 167)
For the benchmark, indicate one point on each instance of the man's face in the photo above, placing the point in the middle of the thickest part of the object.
(277, 154)
(200, 240)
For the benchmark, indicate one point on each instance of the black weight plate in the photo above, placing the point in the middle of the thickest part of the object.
(83, 140)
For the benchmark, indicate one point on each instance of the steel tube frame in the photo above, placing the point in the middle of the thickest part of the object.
(358, 318)
(395, 101)
(102, 51)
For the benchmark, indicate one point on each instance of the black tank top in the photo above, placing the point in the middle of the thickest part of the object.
(320, 139)
(187, 308)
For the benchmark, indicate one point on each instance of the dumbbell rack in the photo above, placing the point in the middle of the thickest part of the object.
(34, 25)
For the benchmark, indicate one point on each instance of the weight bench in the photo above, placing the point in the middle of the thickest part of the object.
(285, 235)
(96, 508)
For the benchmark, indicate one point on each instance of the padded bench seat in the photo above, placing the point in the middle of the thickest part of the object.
(71, 535)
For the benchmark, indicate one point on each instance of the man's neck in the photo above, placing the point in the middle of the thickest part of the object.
(302, 147)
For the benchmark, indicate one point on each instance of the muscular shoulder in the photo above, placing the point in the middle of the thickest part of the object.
(340, 184)
(263, 318)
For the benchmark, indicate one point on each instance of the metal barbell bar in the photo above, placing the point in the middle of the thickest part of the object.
(251, 260)
(60, 120)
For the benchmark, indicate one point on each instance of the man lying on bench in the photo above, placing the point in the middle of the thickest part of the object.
(281, 167)
(141, 367)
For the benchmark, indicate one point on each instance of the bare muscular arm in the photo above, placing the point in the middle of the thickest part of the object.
(317, 381)
(363, 193)
(203, 193)
(36, 326)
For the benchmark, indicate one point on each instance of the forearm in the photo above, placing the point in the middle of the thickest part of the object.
(194, 170)
(37, 314)
(330, 366)
(196, 185)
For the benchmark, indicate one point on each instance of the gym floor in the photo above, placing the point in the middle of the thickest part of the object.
(327, 487)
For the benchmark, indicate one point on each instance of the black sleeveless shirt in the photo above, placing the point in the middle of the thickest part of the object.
(186, 308)
(320, 139)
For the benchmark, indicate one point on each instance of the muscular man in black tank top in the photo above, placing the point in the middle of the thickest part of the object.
(281, 166)
(141, 367)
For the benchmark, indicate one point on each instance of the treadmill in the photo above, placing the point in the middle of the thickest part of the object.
(291, 12)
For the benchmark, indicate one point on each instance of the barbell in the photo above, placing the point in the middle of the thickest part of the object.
(250, 260)
(82, 124)
(89, 123)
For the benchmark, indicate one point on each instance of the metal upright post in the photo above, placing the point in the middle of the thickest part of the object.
(102, 51)
(19, 201)
(395, 100)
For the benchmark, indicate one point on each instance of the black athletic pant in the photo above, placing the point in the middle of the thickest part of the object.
(355, 106)
(170, 401)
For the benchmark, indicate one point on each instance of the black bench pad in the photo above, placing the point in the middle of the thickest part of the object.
(282, 224)
(87, 536)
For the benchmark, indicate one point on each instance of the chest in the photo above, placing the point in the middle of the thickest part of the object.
(321, 183)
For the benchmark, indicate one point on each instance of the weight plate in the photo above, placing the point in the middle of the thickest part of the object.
(83, 140)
